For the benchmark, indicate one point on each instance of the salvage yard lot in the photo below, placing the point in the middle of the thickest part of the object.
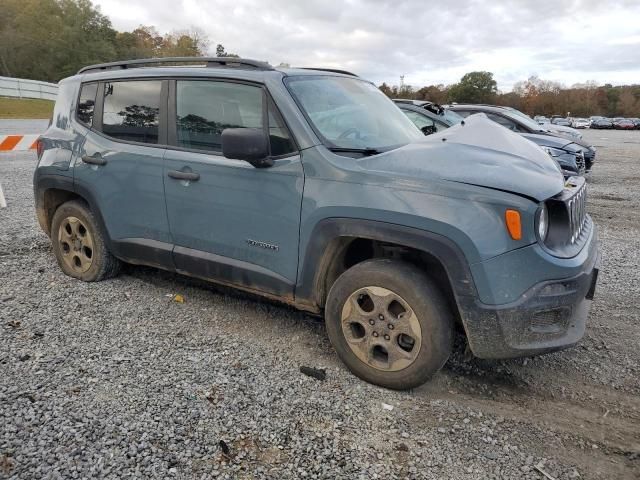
(117, 379)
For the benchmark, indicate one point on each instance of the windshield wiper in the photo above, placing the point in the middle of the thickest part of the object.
(364, 151)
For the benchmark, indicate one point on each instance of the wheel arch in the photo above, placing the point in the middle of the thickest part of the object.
(336, 244)
(51, 191)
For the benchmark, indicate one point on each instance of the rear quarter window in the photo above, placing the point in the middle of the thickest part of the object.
(87, 103)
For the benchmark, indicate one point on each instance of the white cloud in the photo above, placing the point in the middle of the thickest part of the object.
(428, 42)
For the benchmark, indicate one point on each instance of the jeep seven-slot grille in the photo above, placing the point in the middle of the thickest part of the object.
(580, 163)
(576, 206)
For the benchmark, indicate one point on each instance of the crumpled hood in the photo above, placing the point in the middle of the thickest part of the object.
(477, 152)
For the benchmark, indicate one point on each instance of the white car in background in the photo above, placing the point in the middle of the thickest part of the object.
(580, 123)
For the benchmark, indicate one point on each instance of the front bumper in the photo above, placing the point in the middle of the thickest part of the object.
(550, 316)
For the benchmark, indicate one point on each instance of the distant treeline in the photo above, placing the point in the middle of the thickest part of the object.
(533, 96)
(52, 39)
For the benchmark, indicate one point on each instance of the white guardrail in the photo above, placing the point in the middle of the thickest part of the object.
(22, 88)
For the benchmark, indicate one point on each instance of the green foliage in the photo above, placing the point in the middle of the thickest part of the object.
(533, 96)
(474, 87)
(52, 39)
(40, 39)
(404, 91)
(221, 52)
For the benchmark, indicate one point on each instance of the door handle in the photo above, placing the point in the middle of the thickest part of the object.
(178, 175)
(94, 160)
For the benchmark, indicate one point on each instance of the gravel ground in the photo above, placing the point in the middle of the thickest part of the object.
(116, 380)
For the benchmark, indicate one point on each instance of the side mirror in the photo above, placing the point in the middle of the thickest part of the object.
(429, 129)
(248, 144)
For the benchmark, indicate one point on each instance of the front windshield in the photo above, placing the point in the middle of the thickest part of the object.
(352, 113)
(452, 117)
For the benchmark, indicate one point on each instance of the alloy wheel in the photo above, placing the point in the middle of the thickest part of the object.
(381, 328)
(76, 244)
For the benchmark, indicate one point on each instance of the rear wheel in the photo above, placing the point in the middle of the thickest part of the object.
(389, 323)
(79, 244)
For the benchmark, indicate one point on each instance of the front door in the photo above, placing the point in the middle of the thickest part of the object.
(120, 169)
(230, 221)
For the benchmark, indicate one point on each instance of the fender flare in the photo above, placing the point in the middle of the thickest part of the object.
(46, 182)
(318, 254)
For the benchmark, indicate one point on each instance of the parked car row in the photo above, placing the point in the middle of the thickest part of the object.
(574, 156)
(595, 121)
(617, 123)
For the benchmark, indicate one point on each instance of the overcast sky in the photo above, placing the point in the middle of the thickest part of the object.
(570, 41)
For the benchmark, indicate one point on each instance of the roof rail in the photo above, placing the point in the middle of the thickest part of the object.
(332, 70)
(232, 62)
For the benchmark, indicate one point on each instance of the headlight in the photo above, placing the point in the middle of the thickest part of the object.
(542, 222)
(554, 152)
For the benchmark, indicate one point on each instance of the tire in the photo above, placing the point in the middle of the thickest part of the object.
(79, 244)
(389, 307)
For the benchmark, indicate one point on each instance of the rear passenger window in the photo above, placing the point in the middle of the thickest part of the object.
(87, 103)
(131, 110)
(505, 122)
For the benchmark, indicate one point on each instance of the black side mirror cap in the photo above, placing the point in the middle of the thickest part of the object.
(429, 129)
(248, 144)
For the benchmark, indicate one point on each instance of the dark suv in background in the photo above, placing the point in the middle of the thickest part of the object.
(555, 144)
(430, 118)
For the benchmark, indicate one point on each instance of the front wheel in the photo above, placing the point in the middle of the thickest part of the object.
(389, 323)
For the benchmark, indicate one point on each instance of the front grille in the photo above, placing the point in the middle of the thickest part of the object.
(577, 209)
(580, 163)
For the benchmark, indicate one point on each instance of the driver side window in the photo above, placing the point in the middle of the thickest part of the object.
(505, 122)
(205, 108)
(418, 120)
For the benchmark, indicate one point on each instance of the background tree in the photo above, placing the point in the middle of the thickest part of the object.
(386, 89)
(474, 87)
(433, 93)
(52, 39)
(221, 52)
(533, 96)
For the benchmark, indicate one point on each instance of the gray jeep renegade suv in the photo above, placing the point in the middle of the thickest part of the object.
(312, 188)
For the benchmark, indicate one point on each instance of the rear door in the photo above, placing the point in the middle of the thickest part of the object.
(120, 167)
(231, 222)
